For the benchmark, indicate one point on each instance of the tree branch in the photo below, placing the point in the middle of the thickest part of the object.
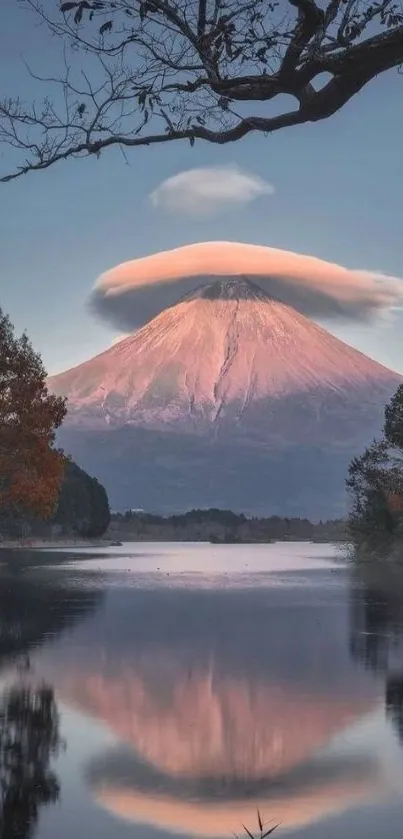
(310, 18)
(170, 70)
(201, 22)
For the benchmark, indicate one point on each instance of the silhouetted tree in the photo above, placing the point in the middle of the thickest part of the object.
(143, 72)
(29, 739)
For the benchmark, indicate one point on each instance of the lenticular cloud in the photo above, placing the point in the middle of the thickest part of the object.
(133, 292)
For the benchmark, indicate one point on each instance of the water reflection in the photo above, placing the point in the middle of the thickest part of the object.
(377, 632)
(34, 609)
(227, 733)
(394, 703)
(189, 708)
(216, 819)
(36, 605)
(29, 739)
(221, 702)
(377, 620)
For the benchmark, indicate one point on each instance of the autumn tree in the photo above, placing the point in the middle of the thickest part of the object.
(142, 72)
(375, 480)
(31, 468)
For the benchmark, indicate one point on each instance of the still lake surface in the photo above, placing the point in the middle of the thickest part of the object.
(196, 683)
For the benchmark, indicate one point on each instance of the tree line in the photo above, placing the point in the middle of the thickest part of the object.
(220, 526)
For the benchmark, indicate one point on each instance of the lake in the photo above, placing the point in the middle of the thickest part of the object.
(162, 688)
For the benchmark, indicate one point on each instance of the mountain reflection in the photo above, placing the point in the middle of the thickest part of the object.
(204, 750)
(221, 703)
(209, 725)
(29, 738)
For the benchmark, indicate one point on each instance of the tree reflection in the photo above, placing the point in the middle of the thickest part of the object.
(34, 608)
(372, 626)
(377, 632)
(394, 703)
(29, 738)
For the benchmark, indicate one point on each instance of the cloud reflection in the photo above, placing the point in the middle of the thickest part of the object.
(325, 791)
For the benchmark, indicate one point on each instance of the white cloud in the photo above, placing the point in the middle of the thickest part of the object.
(209, 189)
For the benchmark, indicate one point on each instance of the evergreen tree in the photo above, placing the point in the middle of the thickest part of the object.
(375, 480)
(83, 506)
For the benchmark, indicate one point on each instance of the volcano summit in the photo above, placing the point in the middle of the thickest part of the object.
(230, 398)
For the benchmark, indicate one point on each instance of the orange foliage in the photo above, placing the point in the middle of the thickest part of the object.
(31, 469)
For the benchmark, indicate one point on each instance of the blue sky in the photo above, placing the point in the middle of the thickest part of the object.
(338, 196)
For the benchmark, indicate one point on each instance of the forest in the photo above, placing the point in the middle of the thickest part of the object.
(220, 526)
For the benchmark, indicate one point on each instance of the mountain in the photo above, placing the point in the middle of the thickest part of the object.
(230, 398)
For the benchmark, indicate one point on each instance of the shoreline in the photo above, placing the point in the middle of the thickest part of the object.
(65, 544)
(37, 544)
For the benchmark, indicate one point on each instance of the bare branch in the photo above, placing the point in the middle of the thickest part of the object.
(310, 19)
(141, 72)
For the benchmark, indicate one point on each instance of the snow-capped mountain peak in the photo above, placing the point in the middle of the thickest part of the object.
(217, 354)
(229, 288)
(211, 393)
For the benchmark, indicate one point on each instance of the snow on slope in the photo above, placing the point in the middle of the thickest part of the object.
(217, 354)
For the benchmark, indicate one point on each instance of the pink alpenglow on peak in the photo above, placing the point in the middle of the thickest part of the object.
(212, 358)
(230, 399)
(135, 291)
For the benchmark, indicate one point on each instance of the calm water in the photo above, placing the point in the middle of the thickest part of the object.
(192, 684)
